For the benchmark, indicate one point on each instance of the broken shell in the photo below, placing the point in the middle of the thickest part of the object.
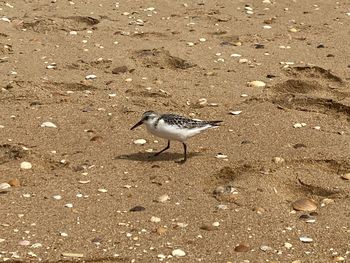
(305, 204)
(305, 239)
(257, 84)
(346, 176)
(90, 76)
(48, 124)
(26, 165)
(140, 141)
(237, 112)
(4, 187)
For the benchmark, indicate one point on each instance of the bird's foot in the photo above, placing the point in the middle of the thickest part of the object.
(182, 161)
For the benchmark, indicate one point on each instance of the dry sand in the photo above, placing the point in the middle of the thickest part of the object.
(170, 55)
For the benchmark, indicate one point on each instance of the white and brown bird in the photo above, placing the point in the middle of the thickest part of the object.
(174, 128)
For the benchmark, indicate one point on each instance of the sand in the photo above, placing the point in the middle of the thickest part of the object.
(197, 59)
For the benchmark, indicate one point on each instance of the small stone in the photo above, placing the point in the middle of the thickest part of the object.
(24, 242)
(161, 230)
(63, 234)
(101, 190)
(259, 210)
(140, 141)
(57, 197)
(346, 176)
(90, 76)
(137, 208)
(288, 245)
(216, 224)
(327, 201)
(242, 248)
(306, 239)
(304, 204)
(155, 219)
(26, 165)
(293, 30)
(202, 39)
(68, 205)
(308, 218)
(235, 55)
(267, 27)
(48, 124)
(72, 255)
(237, 112)
(163, 198)
(257, 84)
(14, 183)
(278, 160)
(265, 248)
(190, 44)
(96, 240)
(243, 60)
(51, 66)
(178, 253)
(208, 227)
(120, 70)
(222, 207)
(4, 187)
(338, 258)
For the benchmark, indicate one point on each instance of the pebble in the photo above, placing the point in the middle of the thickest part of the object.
(161, 230)
(208, 227)
(267, 27)
(299, 125)
(288, 245)
(14, 183)
(140, 141)
(155, 219)
(243, 60)
(90, 76)
(339, 258)
(190, 44)
(265, 248)
(57, 197)
(101, 190)
(48, 124)
(304, 204)
(72, 255)
(222, 207)
(235, 55)
(346, 176)
(51, 66)
(237, 112)
(26, 165)
(257, 84)
(293, 30)
(137, 208)
(308, 218)
(24, 243)
(4, 187)
(242, 248)
(278, 160)
(68, 205)
(306, 239)
(216, 224)
(163, 198)
(178, 253)
(202, 39)
(119, 70)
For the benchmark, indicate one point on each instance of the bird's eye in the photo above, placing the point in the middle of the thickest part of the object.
(146, 118)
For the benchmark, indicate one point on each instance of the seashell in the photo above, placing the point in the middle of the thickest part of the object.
(305, 204)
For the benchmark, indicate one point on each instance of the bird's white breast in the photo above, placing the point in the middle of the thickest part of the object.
(173, 132)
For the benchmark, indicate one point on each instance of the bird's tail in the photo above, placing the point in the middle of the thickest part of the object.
(214, 123)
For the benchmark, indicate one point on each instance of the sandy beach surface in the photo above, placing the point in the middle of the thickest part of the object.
(270, 185)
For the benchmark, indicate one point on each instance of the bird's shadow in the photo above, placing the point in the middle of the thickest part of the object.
(149, 157)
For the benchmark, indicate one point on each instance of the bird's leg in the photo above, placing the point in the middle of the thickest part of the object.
(185, 154)
(166, 148)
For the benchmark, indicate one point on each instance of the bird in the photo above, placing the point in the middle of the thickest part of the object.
(174, 128)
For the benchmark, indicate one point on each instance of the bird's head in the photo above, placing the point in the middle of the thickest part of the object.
(147, 118)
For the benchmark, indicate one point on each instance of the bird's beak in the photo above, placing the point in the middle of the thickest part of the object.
(137, 124)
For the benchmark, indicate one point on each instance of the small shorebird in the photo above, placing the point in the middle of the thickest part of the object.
(173, 127)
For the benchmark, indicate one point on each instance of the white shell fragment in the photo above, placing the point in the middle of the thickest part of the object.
(48, 124)
(26, 165)
(140, 141)
(257, 84)
(178, 253)
(4, 187)
(163, 198)
(91, 76)
(306, 239)
(237, 112)
(221, 156)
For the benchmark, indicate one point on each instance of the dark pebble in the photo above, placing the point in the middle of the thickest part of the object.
(137, 208)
